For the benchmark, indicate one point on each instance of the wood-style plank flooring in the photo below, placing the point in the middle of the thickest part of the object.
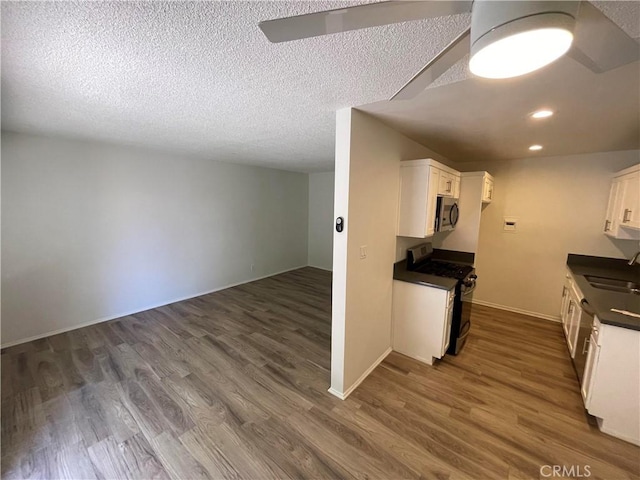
(234, 385)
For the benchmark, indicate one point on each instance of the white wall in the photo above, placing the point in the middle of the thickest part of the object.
(321, 221)
(560, 203)
(366, 195)
(92, 231)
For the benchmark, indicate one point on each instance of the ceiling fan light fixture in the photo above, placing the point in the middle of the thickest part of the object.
(521, 46)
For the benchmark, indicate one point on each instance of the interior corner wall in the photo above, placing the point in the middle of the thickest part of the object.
(93, 231)
(367, 181)
(560, 205)
(321, 222)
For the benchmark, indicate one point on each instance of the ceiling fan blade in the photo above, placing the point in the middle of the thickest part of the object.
(452, 53)
(599, 44)
(354, 18)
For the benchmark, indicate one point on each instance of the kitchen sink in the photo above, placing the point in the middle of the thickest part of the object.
(613, 284)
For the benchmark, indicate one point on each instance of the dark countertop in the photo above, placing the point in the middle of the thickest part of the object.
(401, 273)
(602, 301)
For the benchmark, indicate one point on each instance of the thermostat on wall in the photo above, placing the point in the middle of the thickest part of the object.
(510, 224)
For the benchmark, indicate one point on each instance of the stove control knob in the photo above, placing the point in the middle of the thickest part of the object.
(473, 277)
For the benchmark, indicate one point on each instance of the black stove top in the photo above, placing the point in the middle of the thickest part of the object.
(444, 269)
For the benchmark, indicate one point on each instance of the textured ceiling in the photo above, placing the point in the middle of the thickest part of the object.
(200, 78)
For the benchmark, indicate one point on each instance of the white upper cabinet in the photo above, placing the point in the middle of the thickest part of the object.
(446, 184)
(629, 212)
(421, 182)
(623, 209)
(487, 189)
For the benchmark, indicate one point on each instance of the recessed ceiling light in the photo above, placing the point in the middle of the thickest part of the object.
(542, 114)
(534, 148)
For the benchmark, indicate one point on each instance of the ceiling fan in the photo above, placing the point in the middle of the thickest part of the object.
(506, 38)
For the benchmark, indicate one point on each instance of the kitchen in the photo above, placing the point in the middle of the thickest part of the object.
(547, 203)
(521, 273)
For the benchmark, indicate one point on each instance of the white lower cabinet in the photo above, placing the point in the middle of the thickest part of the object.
(421, 320)
(611, 384)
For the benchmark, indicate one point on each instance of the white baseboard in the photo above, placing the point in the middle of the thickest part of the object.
(336, 393)
(614, 433)
(138, 310)
(343, 396)
(543, 316)
(321, 268)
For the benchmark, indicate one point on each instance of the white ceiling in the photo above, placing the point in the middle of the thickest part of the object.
(481, 119)
(200, 78)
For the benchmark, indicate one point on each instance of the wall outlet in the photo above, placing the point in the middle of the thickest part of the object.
(363, 252)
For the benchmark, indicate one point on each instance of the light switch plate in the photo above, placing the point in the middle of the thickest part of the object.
(363, 252)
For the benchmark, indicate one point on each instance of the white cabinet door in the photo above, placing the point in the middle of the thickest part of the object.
(629, 212)
(432, 200)
(571, 326)
(574, 314)
(591, 364)
(419, 320)
(613, 206)
(412, 209)
(446, 184)
(564, 308)
(487, 191)
(456, 187)
(623, 208)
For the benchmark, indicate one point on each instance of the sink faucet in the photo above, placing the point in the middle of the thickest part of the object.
(634, 259)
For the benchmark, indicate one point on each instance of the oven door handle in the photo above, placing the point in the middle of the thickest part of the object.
(462, 336)
(467, 291)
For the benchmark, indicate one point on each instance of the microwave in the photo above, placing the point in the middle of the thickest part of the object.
(447, 214)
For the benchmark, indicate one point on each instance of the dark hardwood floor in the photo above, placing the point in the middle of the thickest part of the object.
(234, 385)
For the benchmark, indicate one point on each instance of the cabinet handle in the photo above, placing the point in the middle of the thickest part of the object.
(585, 345)
(607, 225)
(564, 292)
(491, 194)
(449, 186)
(627, 214)
(570, 310)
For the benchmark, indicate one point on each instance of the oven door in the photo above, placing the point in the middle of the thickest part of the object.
(465, 317)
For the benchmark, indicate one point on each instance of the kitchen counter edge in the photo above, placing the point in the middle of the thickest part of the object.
(401, 273)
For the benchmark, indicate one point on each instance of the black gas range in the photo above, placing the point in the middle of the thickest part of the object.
(421, 259)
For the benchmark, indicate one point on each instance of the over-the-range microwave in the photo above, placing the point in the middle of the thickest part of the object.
(447, 214)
